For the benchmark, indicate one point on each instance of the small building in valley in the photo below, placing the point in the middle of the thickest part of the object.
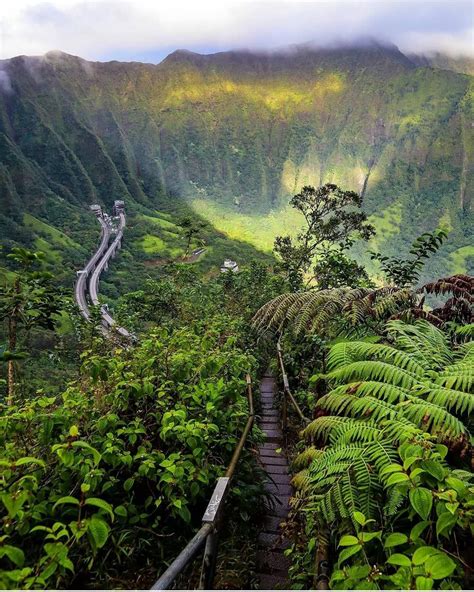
(229, 265)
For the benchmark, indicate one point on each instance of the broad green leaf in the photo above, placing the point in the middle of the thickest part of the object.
(396, 478)
(99, 503)
(368, 536)
(434, 468)
(15, 554)
(346, 553)
(399, 559)
(457, 485)
(67, 499)
(29, 460)
(348, 540)
(409, 461)
(423, 583)
(121, 511)
(422, 501)
(359, 518)
(129, 484)
(95, 453)
(418, 529)
(50, 569)
(57, 551)
(439, 566)
(444, 523)
(99, 530)
(392, 468)
(13, 505)
(422, 554)
(394, 539)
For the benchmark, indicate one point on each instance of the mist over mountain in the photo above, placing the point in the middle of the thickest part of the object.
(238, 133)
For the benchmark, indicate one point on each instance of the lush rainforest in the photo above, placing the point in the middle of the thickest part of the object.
(340, 181)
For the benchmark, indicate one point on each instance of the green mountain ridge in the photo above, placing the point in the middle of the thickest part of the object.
(236, 134)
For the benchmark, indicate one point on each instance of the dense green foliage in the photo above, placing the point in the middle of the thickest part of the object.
(114, 472)
(116, 463)
(383, 472)
(389, 464)
(237, 132)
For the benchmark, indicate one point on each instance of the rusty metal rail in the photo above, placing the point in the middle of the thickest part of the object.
(321, 577)
(208, 535)
(287, 394)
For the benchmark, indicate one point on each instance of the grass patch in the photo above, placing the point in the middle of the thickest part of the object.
(152, 245)
(161, 222)
(53, 234)
(459, 258)
(259, 231)
(51, 254)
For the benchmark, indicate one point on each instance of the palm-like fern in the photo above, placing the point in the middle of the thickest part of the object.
(382, 395)
(315, 310)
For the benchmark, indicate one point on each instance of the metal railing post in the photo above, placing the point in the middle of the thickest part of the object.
(208, 570)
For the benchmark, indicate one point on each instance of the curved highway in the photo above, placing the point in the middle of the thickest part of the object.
(81, 284)
(96, 265)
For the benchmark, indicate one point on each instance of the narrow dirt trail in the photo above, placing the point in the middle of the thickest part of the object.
(272, 565)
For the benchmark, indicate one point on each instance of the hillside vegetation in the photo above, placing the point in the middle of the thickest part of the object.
(237, 133)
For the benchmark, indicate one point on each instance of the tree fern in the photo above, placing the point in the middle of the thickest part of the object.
(344, 479)
(381, 396)
(342, 353)
(314, 310)
(428, 345)
(374, 370)
(432, 418)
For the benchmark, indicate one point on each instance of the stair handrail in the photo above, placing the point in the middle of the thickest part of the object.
(208, 534)
(287, 394)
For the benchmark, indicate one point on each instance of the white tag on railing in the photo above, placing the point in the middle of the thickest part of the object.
(217, 497)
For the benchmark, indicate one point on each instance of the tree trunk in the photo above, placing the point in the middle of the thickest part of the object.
(12, 340)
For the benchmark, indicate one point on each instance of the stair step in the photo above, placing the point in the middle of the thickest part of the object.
(272, 564)
(271, 540)
(271, 582)
(273, 470)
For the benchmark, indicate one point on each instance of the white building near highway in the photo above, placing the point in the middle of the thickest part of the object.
(229, 265)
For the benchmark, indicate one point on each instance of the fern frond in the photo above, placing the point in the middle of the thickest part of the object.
(460, 377)
(380, 390)
(466, 330)
(344, 353)
(452, 400)
(322, 427)
(427, 344)
(305, 458)
(358, 431)
(399, 429)
(431, 417)
(301, 480)
(374, 370)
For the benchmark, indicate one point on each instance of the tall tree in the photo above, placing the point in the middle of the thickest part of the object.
(334, 220)
(29, 300)
(191, 229)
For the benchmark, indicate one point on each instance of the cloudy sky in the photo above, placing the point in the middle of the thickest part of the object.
(147, 30)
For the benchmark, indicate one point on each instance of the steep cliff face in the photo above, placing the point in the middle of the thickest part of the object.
(242, 131)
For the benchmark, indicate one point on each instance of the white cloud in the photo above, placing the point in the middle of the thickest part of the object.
(105, 29)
